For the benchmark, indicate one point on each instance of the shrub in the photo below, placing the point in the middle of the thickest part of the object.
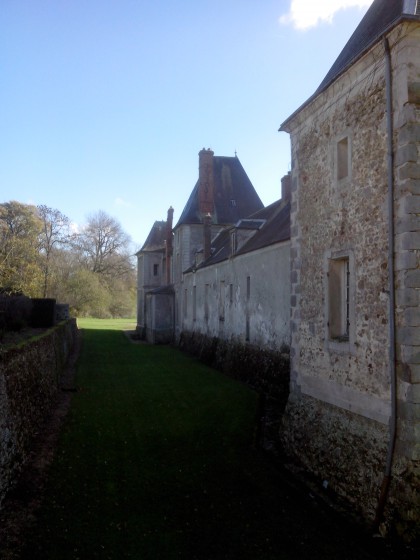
(15, 312)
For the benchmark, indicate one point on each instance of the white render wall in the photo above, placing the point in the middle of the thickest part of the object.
(146, 280)
(229, 306)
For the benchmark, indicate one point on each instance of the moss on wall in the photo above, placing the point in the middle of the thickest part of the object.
(29, 381)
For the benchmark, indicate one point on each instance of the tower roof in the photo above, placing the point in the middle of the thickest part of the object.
(156, 239)
(234, 195)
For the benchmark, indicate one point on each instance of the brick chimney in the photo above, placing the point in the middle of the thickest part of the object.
(206, 182)
(286, 187)
(169, 245)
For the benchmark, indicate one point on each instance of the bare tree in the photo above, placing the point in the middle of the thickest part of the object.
(104, 246)
(55, 233)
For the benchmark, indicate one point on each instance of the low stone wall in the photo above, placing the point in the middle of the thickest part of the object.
(266, 371)
(29, 381)
(345, 452)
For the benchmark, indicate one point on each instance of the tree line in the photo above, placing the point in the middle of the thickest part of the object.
(91, 269)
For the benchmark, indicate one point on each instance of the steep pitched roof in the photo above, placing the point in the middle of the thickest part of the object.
(234, 195)
(381, 17)
(274, 228)
(156, 239)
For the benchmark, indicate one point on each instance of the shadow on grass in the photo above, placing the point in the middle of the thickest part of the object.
(156, 461)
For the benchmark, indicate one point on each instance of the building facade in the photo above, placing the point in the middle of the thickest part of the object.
(241, 293)
(352, 417)
(333, 273)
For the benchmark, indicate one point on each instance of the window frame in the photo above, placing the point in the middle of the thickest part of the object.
(340, 300)
(342, 158)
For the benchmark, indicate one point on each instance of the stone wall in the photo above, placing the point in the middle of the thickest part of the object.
(264, 370)
(404, 500)
(337, 418)
(29, 380)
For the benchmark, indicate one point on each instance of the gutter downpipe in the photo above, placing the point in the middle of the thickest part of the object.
(392, 369)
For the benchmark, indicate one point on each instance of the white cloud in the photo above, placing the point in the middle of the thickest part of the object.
(121, 202)
(304, 14)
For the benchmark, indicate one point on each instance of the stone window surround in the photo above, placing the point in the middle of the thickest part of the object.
(340, 167)
(334, 345)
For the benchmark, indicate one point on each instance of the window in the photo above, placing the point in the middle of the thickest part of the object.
(343, 158)
(230, 294)
(222, 301)
(194, 303)
(339, 299)
(185, 303)
(155, 269)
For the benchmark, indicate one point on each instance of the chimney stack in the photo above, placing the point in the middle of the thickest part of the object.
(286, 187)
(169, 245)
(206, 182)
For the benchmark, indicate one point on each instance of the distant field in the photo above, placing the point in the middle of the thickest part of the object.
(107, 324)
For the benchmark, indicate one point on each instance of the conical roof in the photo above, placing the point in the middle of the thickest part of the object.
(234, 195)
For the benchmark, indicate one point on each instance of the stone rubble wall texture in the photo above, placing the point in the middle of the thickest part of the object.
(29, 381)
(337, 416)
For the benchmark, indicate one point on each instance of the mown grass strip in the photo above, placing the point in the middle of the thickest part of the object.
(156, 461)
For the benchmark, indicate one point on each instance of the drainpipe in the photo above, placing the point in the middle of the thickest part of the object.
(169, 245)
(392, 370)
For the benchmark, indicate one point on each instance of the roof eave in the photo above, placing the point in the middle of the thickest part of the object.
(284, 127)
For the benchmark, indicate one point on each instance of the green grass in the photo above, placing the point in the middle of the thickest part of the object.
(109, 324)
(156, 461)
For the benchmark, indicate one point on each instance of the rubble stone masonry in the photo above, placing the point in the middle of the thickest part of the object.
(29, 377)
(337, 418)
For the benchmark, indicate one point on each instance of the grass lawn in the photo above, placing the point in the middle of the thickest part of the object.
(156, 461)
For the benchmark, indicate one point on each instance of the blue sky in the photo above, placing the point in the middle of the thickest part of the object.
(105, 104)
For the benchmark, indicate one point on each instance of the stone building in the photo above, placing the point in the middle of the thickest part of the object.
(222, 196)
(155, 300)
(352, 417)
(235, 293)
(341, 283)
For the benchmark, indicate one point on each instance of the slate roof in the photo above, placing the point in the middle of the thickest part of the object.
(275, 228)
(234, 195)
(166, 289)
(156, 239)
(380, 18)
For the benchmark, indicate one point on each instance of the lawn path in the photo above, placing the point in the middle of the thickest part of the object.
(156, 461)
